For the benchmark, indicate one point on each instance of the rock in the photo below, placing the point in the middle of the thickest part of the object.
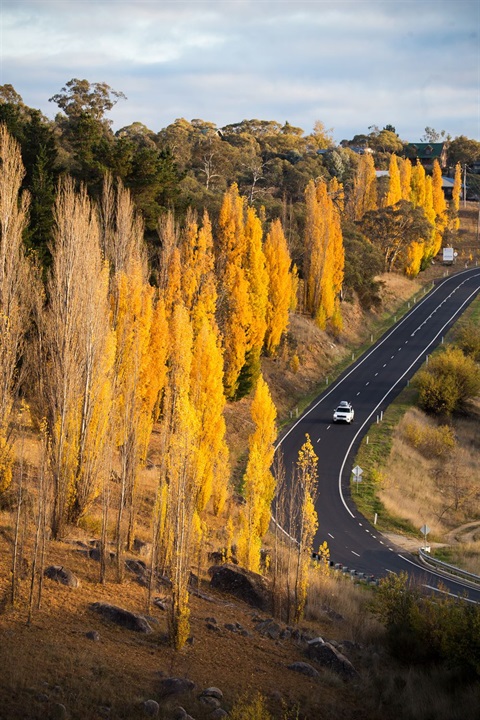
(209, 702)
(62, 575)
(211, 626)
(179, 713)
(137, 567)
(93, 635)
(327, 656)
(142, 548)
(175, 686)
(151, 708)
(212, 692)
(268, 628)
(218, 714)
(250, 587)
(231, 627)
(122, 617)
(59, 712)
(304, 669)
(161, 603)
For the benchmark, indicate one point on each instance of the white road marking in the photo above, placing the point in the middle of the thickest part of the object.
(332, 536)
(353, 551)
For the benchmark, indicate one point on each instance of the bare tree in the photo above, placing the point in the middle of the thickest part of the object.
(15, 293)
(78, 351)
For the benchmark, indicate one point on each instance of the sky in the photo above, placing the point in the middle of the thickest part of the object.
(351, 65)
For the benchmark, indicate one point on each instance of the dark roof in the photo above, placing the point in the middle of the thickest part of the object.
(424, 151)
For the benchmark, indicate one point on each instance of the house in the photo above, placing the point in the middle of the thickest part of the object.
(426, 153)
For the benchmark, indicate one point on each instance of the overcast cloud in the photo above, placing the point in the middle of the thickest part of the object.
(410, 63)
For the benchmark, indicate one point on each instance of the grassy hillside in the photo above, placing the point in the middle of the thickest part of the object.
(52, 669)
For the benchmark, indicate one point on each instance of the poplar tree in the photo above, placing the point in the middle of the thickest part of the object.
(140, 373)
(16, 287)
(257, 279)
(417, 185)
(78, 357)
(324, 257)
(439, 205)
(363, 197)
(455, 203)
(179, 474)
(306, 481)
(394, 193)
(234, 309)
(259, 481)
(208, 401)
(405, 177)
(140, 326)
(281, 288)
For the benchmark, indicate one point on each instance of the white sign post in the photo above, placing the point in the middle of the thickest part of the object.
(357, 475)
(425, 530)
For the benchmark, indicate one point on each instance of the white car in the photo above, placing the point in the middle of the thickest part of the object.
(344, 412)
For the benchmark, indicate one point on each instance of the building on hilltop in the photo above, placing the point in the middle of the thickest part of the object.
(426, 153)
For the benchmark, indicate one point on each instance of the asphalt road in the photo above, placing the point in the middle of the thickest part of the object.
(371, 383)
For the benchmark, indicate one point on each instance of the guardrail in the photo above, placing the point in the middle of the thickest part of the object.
(447, 569)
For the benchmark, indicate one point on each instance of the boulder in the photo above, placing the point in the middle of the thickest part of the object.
(329, 657)
(248, 586)
(151, 708)
(212, 692)
(269, 628)
(61, 575)
(122, 617)
(174, 686)
(93, 635)
(304, 668)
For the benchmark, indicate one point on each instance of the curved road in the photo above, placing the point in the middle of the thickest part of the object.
(370, 384)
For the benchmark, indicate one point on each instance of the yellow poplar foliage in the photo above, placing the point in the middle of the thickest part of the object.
(307, 481)
(417, 185)
(439, 205)
(236, 325)
(231, 228)
(6, 464)
(173, 288)
(281, 286)
(140, 374)
(394, 194)
(197, 260)
(430, 245)
(208, 401)
(257, 277)
(456, 192)
(405, 166)
(415, 254)
(336, 192)
(258, 479)
(364, 193)
(181, 432)
(324, 257)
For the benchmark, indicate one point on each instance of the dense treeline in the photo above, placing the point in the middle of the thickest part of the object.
(189, 164)
(142, 278)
